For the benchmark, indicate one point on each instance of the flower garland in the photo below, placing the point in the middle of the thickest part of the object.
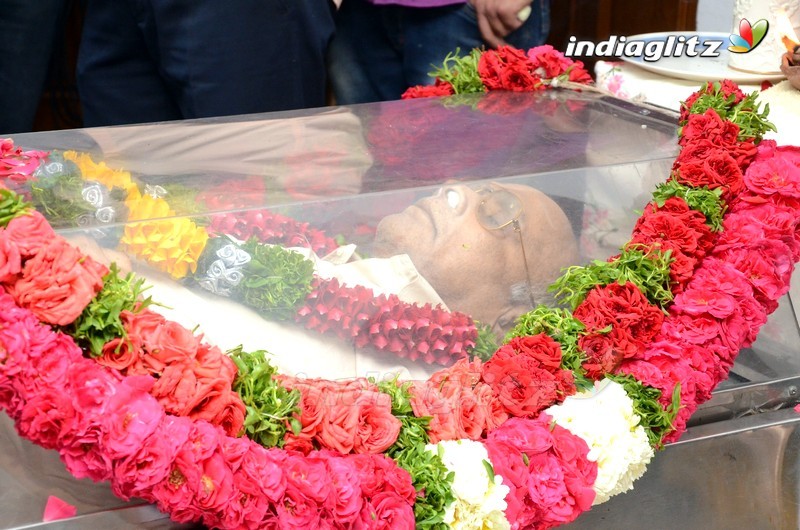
(657, 327)
(237, 254)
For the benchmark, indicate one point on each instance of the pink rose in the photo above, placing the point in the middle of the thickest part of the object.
(386, 511)
(377, 427)
(10, 258)
(309, 476)
(345, 499)
(84, 456)
(261, 482)
(30, 232)
(132, 416)
(44, 416)
(58, 283)
(135, 475)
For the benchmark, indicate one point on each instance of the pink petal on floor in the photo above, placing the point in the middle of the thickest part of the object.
(57, 509)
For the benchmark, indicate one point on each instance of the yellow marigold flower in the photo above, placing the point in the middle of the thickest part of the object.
(100, 172)
(172, 245)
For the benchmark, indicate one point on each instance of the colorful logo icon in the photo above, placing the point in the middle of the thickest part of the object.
(749, 36)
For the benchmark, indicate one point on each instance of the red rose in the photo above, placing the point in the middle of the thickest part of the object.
(709, 126)
(507, 68)
(440, 88)
(677, 208)
(526, 377)
(170, 342)
(622, 314)
(602, 356)
(219, 405)
(58, 283)
(427, 400)
(717, 170)
(121, 354)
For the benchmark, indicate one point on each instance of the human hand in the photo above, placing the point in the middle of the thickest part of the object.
(498, 18)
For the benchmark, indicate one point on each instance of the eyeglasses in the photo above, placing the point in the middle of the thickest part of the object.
(498, 209)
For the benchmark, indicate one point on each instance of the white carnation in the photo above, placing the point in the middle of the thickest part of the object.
(479, 498)
(604, 417)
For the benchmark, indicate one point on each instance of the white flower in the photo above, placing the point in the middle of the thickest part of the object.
(604, 417)
(479, 497)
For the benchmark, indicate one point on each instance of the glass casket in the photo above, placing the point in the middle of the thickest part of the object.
(333, 175)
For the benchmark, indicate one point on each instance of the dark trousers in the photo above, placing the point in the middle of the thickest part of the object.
(28, 31)
(158, 60)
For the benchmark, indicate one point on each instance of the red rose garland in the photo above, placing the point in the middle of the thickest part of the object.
(109, 427)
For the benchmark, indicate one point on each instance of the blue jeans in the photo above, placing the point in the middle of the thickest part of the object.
(157, 60)
(380, 51)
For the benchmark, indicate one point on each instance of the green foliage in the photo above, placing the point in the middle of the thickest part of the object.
(413, 430)
(11, 205)
(752, 121)
(270, 407)
(486, 344)
(706, 201)
(561, 326)
(100, 321)
(433, 483)
(276, 281)
(429, 475)
(649, 271)
(656, 421)
(461, 71)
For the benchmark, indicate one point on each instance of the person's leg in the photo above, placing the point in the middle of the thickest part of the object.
(118, 81)
(433, 33)
(27, 34)
(365, 58)
(243, 56)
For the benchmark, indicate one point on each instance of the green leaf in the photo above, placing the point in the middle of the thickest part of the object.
(645, 268)
(486, 344)
(11, 205)
(704, 200)
(100, 321)
(461, 71)
(656, 421)
(271, 408)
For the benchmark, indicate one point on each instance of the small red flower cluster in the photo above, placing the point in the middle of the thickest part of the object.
(509, 68)
(387, 324)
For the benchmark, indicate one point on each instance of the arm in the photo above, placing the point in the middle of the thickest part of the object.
(498, 18)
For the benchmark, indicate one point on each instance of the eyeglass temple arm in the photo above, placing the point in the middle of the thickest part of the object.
(518, 230)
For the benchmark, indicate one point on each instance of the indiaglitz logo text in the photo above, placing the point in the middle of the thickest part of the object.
(650, 50)
(659, 46)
